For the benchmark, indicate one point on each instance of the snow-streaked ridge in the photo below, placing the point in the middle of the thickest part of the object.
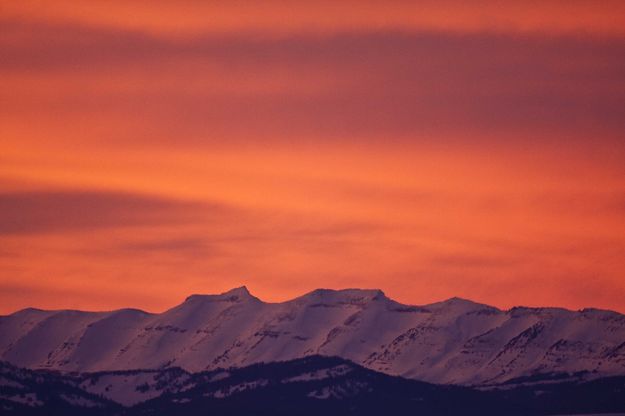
(453, 341)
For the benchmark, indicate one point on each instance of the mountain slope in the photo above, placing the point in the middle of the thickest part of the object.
(451, 342)
(308, 386)
(27, 392)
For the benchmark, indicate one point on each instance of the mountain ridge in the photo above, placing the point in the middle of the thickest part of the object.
(455, 341)
(243, 289)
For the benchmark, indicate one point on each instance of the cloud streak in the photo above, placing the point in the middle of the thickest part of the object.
(66, 211)
(167, 18)
(353, 85)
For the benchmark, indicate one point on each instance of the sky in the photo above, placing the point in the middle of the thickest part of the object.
(154, 149)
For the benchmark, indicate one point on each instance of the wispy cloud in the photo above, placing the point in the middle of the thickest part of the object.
(62, 211)
(279, 17)
(352, 85)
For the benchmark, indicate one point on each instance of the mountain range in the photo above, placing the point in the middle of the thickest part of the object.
(451, 342)
(337, 352)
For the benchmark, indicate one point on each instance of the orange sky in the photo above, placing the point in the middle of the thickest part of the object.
(438, 149)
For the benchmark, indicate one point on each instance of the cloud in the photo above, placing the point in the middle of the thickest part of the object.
(279, 17)
(317, 134)
(177, 244)
(324, 87)
(193, 248)
(52, 211)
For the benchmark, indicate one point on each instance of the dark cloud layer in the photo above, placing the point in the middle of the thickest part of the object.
(50, 211)
(376, 83)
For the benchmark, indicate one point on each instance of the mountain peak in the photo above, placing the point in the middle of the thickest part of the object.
(343, 296)
(240, 291)
(237, 294)
(458, 303)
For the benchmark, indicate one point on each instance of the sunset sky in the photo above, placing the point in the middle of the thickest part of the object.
(154, 149)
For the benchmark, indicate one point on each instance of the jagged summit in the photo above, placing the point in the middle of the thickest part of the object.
(233, 295)
(337, 296)
(342, 296)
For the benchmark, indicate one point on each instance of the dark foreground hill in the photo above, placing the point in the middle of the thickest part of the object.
(309, 386)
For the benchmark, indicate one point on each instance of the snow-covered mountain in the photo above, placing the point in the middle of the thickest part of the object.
(452, 342)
